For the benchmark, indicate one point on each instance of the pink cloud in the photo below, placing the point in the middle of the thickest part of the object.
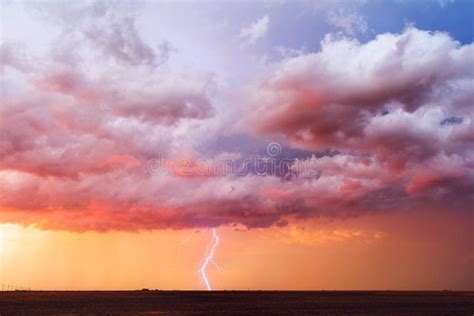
(384, 101)
(78, 129)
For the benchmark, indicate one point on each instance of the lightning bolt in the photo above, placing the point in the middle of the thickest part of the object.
(209, 258)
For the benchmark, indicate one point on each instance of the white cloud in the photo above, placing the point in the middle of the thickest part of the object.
(255, 31)
(444, 3)
(387, 89)
(351, 22)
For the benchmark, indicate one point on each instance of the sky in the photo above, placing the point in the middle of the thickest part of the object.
(329, 143)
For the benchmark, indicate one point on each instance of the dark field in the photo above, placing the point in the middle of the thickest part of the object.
(236, 303)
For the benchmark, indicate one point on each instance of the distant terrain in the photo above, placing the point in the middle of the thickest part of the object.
(236, 303)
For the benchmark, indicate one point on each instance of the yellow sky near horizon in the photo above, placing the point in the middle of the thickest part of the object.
(391, 251)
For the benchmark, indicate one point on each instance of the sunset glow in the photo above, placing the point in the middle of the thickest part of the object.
(298, 144)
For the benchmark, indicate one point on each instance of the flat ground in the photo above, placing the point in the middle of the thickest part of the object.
(236, 303)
